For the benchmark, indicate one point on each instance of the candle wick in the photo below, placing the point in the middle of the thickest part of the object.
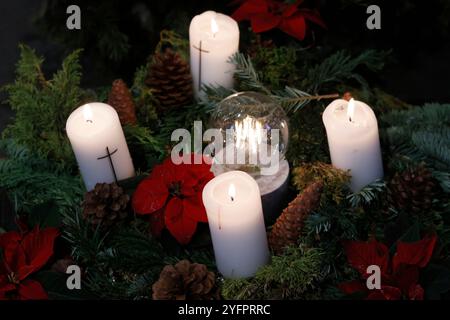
(350, 118)
(88, 120)
(232, 198)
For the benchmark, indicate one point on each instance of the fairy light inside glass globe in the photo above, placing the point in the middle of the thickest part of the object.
(254, 130)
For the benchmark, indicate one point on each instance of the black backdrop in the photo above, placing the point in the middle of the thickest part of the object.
(417, 31)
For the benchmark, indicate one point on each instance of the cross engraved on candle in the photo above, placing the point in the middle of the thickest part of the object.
(200, 50)
(108, 155)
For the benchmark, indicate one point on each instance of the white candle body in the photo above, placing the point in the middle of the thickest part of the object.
(211, 66)
(354, 145)
(90, 138)
(237, 226)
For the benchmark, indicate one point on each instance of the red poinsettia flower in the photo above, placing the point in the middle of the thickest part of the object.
(399, 274)
(20, 256)
(265, 15)
(172, 194)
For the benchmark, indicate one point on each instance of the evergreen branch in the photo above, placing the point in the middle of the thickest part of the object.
(41, 109)
(31, 180)
(245, 72)
(85, 242)
(132, 251)
(420, 134)
(368, 194)
(443, 178)
(294, 99)
(290, 276)
(141, 138)
(341, 66)
(434, 143)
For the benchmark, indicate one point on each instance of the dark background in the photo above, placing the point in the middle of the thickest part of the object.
(417, 32)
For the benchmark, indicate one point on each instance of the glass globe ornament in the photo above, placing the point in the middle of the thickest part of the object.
(254, 133)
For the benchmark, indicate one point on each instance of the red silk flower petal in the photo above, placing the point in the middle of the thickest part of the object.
(157, 223)
(313, 16)
(150, 196)
(405, 277)
(360, 255)
(291, 9)
(38, 247)
(9, 238)
(249, 8)
(416, 292)
(385, 293)
(179, 224)
(194, 209)
(31, 290)
(294, 26)
(264, 22)
(188, 190)
(166, 173)
(14, 256)
(414, 253)
(352, 287)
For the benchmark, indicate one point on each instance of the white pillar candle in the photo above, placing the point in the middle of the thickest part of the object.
(97, 139)
(352, 132)
(213, 38)
(233, 205)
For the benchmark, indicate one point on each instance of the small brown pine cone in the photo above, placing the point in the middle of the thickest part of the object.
(170, 78)
(287, 229)
(120, 98)
(106, 205)
(413, 190)
(186, 281)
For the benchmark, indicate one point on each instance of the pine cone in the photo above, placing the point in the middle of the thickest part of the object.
(120, 99)
(170, 78)
(105, 205)
(288, 227)
(413, 190)
(186, 281)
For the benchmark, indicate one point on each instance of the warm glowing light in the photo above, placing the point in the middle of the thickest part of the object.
(87, 113)
(214, 26)
(248, 131)
(232, 192)
(351, 109)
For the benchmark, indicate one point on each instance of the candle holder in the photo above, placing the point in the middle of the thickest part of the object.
(255, 137)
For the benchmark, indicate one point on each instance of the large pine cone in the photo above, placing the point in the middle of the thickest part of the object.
(170, 78)
(289, 225)
(413, 190)
(186, 281)
(120, 98)
(105, 205)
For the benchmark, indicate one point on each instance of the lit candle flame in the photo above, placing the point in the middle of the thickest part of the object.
(232, 192)
(87, 113)
(351, 109)
(248, 130)
(214, 27)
